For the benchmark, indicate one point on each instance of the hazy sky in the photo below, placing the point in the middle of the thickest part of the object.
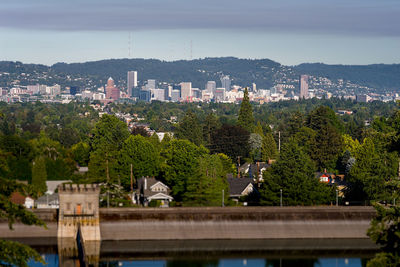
(287, 31)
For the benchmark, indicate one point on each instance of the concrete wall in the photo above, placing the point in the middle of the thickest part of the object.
(216, 223)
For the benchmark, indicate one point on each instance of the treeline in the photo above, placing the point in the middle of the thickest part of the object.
(50, 141)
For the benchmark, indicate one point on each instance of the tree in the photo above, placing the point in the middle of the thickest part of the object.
(140, 130)
(255, 143)
(181, 163)
(190, 129)
(231, 140)
(211, 124)
(14, 253)
(81, 153)
(107, 139)
(144, 157)
(204, 188)
(268, 147)
(385, 231)
(370, 172)
(293, 172)
(39, 175)
(246, 119)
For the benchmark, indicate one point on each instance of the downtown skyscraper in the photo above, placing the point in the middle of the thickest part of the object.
(131, 82)
(303, 86)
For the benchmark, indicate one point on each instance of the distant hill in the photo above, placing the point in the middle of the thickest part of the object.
(378, 76)
(199, 71)
(264, 72)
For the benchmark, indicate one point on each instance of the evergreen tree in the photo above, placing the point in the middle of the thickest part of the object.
(180, 164)
(204, 188)
(268, 147)
(39, 175)
(231, 140)
(189, 128)
(211, 124)
(246, 119)
(293, 172)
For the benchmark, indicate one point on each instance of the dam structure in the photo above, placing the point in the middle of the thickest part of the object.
(78, 230)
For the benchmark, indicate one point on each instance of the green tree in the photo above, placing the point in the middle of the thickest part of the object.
(107, 140)
(39, 175)
(211, 124)
(144, 157)
(370, 172)
(385, 231)
(246, 119)
(204, 188)
(181, 163)
(231, 140)
(14, 253)
(268, 147)
(189, 128)
(81, 153)
(293, 172)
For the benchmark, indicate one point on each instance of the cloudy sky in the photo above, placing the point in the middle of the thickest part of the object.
(288, 31)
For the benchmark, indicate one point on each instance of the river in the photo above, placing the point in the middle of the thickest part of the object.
(221, 253)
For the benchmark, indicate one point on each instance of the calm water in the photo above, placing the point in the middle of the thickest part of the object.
(235, 253)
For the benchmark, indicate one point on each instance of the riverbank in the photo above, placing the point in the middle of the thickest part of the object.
(215, 223)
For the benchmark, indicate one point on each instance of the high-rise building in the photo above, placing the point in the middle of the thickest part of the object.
(211, 86)
(226, 83)
(303, 85)
(186, 91)
(131, 82)
(112, 92)
(151, 84)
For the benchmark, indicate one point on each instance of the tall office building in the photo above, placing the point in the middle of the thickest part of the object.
(226, 83)
(112, 92)
(211, 86)
(131, 82)
(303, 85)
(151, 84)
(186, 91)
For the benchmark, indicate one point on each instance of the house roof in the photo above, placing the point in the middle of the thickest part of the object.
(150, 182)
(17, 198)
(159, 195)
(238, 185)
(52, 185)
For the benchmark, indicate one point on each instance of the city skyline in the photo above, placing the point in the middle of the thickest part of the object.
(289, 32)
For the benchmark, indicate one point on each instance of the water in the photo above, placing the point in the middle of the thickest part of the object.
(218, 253)
(52, 260)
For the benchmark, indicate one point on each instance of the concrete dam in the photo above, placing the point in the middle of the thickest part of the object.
(207, 223)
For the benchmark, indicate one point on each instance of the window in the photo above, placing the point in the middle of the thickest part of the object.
(68, 206)
(89, 205)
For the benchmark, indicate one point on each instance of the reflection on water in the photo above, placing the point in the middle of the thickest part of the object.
(216, 253)
(52, 260)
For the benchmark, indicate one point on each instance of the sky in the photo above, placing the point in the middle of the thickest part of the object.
(287, 31)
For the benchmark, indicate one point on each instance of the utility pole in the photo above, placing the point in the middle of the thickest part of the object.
(281, 197)
(279, 141)
(337, 198)
(132, 178)
(238, 167)
(223, 198)
(108, 181)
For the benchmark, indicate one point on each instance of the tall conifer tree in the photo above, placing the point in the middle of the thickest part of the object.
(246, 119)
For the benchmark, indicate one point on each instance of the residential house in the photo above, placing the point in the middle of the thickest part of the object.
(150, 189)
(18, 198)
(241, 187)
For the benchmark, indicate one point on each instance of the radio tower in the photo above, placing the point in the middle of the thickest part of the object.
(191, 50)
(129, 45)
